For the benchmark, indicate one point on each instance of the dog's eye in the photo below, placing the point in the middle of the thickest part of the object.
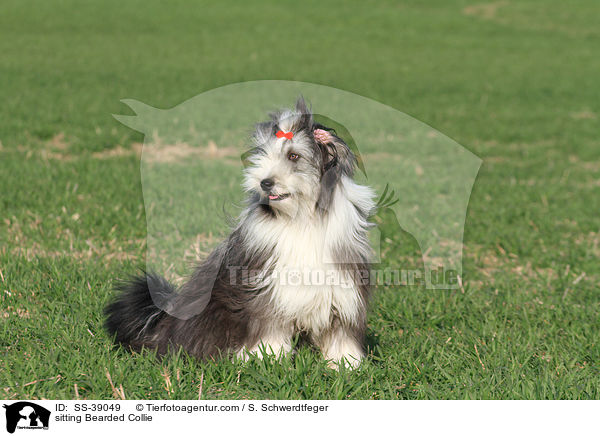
(293, 157)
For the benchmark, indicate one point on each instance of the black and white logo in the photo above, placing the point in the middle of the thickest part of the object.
(26, 415)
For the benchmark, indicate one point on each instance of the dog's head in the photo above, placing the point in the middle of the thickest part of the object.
(296, 163)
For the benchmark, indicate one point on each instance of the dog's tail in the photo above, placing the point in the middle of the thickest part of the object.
(133, 316)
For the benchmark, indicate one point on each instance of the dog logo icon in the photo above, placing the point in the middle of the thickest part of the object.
(26, 415)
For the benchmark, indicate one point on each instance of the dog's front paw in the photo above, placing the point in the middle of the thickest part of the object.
(262, 349)
(349, 362)
(341, 348)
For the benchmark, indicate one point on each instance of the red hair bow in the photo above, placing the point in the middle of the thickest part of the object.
(286, 135)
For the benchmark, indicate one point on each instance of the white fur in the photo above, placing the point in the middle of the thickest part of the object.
(305, 241)
(304, 244)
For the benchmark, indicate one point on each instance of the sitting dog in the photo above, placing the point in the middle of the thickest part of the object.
(295, 262)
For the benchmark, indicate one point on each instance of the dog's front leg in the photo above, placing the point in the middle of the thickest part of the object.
(274, 338)
(340, 345)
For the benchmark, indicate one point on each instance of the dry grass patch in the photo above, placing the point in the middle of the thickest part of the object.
(491, 262)
(14, 312)
(21, 243)
(182, 151)
(119, 151)
(485, 11)
(583, 115)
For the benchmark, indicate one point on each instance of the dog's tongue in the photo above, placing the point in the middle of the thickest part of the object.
(273, 197)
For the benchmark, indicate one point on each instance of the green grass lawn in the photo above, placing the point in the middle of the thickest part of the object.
(515, 82)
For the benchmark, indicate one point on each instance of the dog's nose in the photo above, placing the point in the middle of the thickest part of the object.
(267, 184)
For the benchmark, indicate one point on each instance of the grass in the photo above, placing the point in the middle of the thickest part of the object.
(514, 82)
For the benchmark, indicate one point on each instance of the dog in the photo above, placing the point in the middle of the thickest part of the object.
(304, 217)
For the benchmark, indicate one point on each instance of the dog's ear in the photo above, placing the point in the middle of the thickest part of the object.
(334, 151)
(306, 119)
(337, 160)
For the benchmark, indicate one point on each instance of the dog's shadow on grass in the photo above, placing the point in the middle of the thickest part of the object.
(372, 343)
(372, 348)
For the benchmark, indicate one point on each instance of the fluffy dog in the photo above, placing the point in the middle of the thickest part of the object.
(295, 262)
